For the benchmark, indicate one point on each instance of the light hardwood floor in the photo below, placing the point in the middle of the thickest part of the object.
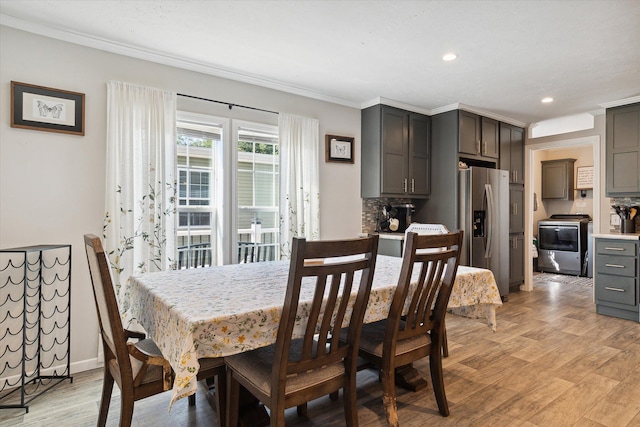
(552, 362)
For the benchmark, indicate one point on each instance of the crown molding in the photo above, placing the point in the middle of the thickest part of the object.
(446, 108)
(621, 102)
(397, 104)
(160, 58)
(491, 115)
(480, 112)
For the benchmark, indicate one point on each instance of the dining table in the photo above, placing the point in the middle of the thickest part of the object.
(224, 310)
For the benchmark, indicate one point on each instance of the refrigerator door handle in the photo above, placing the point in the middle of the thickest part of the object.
(490, 211)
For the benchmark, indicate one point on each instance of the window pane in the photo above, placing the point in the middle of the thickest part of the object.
(257, 188)
(196, 210)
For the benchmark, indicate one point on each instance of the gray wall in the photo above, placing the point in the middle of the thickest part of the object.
(52, 184)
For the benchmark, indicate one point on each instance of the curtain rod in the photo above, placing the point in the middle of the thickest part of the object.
(231, 105)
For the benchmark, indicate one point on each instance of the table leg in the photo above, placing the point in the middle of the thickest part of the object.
(252, 412)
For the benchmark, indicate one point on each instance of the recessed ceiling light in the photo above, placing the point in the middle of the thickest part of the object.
(547, 99)
(449, 56)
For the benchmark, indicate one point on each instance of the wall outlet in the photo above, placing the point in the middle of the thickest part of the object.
(615, 219)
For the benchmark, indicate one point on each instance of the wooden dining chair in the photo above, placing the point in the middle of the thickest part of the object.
(294, 371)
(425, 229)
(415, 326)
(138, 368)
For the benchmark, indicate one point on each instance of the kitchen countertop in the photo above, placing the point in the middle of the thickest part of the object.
(392, 236)
(383, 235)
(617, 235)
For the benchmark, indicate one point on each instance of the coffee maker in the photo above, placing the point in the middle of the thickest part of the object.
(395, 218)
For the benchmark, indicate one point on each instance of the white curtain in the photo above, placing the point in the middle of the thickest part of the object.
(299, 180)
(140, 220)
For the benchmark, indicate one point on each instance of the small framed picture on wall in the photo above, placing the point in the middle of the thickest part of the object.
(339, 149)
(44, 108)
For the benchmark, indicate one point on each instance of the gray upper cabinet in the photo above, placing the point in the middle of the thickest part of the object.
(419, 154)
(478, 136)
(395, 153)
(623, 151)
(512, 152)
(557, 179)
(490, 142)
(469, 140)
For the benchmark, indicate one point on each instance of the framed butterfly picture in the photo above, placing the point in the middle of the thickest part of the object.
(339, 149)
(46, 109)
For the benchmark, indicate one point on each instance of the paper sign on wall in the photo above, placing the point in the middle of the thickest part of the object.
(584, 178)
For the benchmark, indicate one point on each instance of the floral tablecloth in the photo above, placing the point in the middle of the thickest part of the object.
(221, 311)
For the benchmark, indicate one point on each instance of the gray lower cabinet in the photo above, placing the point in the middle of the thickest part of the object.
(516, 261)
(557, 179)
(623, 151)
(395, 153)
(616, 278)
(391, 246)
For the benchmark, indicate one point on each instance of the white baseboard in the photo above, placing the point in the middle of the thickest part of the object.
(86, 365)
(75, 367)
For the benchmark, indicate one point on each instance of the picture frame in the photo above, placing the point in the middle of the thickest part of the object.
(46, 109)
(339, 149)
(584, 178)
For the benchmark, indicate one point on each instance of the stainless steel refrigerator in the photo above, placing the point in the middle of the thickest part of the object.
(484, 216)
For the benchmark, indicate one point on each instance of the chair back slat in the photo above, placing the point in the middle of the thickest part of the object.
(420, 306)
(334, 269)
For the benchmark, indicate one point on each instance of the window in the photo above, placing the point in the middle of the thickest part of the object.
(197, 213)
(226, 214)
(258, 184)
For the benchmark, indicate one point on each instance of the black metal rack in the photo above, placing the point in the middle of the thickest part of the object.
(35, 319)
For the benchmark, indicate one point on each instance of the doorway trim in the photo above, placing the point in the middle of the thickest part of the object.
(594, 141)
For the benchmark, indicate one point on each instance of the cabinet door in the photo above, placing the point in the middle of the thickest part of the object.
(490, 140)
(623, 150)
(505, 150)
(517, 155)
(512, 152)
(553, 181)
(557, 179)
(516, 259)
(516, 209)
(469, 138)
(419, 155)
(395, 127)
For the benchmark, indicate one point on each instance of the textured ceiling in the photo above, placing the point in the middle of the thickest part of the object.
(511, 53)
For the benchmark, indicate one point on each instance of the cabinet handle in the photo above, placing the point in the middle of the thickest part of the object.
(404, 185)
(484, 147)
(478, 146)
(413, 185)
(614, 249)
(614, 265)
(515, 172)
(614, 289)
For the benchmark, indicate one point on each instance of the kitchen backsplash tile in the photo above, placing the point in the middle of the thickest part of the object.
(625, 201)
(371, 210)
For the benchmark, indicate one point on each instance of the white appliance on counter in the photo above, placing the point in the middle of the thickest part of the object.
(483, 215)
